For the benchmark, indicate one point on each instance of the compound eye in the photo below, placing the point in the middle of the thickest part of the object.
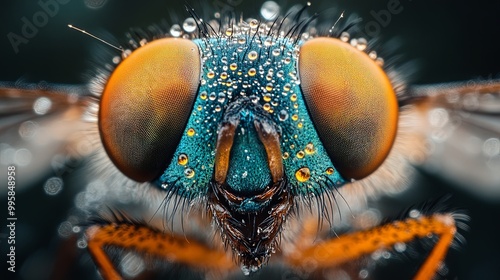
(146, 104)
(352, 104)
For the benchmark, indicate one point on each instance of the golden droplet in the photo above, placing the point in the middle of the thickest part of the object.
(233, 66)
(295, 105)
(286, 155)
(269, 87)
(252, 72)
(253, 55)
(309, 148)
(199, 108)
(301, 154)
(223, 75)
(295, 117)
(300, 125)
(330, 170)
(203, 95)
(293, 97)
(287, 87)
(189, 173)
(211, 74)
(182, 159)
(267, 107)
(267, 97)
(303, 174)
(191, 132)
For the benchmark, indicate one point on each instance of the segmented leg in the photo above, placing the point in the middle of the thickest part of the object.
(144, 240)
(352, 246)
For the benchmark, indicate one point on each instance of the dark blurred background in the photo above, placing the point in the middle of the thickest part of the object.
(448, 40)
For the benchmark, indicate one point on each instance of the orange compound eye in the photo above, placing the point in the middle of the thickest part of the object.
(352, 104)
(146, 104)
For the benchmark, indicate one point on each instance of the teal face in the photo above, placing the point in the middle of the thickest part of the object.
(247, 122)
(261, 78)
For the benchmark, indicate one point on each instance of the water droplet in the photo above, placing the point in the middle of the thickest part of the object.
(28, 129)
(303, 174)
(242, 40)
(252, 72)
(81, 243)
(373, 55)
(363, 274)
(116, 59)
(301, 154)
(255, 99)
(132, 265)
(283, 115)
(189, 173)
(270, 10)
(286, 155)
(362, 44)
(211, 74)
(267, 97)
(438, 117)
(222, 97)
(254, 23)
(309, 148)
(53, 186)
(42, 105)
(23, 157)
(354, 42)
(400, 247)
(380, 61)
(189, 25)
(233, 66)
(491, 147)
(276, 52)
(414, 213)
(344, 37)
(212, 96)
(269, 87)
(253, 55)
(182, 159)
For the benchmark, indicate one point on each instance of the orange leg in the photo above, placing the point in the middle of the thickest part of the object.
(352, 246)
(152, 243)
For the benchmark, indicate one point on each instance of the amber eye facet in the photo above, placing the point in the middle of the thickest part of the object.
(146, 104)
(352, 104)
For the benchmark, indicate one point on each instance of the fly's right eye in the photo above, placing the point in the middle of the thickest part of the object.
(146, 104)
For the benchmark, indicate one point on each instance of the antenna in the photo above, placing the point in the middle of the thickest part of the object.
(120, 48)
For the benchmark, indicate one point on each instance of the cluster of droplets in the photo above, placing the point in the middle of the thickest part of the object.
(362, 45)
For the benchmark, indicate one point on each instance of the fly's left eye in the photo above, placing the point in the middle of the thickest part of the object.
(146, 104)
(352, 104)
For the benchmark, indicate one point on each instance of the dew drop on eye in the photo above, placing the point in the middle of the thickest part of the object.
(175, 30)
